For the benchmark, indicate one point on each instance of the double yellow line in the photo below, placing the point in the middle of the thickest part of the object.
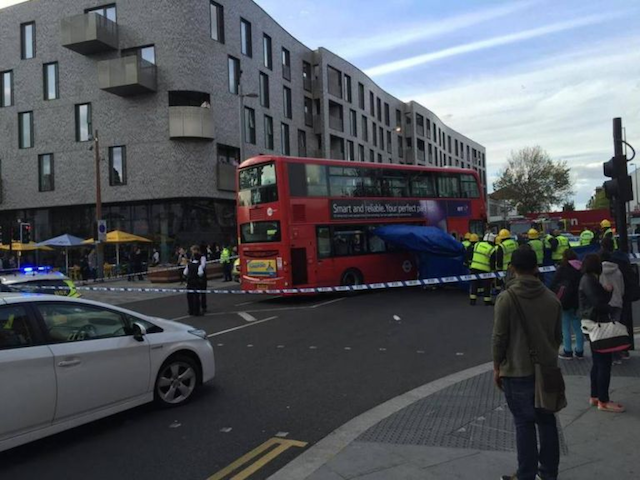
(281, 444)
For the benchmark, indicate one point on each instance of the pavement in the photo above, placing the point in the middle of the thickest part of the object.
(459, 427)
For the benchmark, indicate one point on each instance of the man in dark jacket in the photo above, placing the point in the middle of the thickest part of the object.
(513, 367)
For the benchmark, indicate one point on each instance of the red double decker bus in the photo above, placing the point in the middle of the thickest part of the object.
(310, 223)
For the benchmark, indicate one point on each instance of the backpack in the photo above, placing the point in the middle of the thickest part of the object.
(567, 289)
(631, 283)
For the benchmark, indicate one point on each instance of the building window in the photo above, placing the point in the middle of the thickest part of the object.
(379, 109)
(353, 122)
(234, 75)
(264, 90)
(379, 158)
(286, 95)
(420, 124)
(372, 156)
(387, 115)
(361, 96)
(250, 125)
(217, 22)
(302, 143)
(374, 131)
(268, 132)
(28, 40)
(84, 129)
(361, 153)
(45, 172)
(421, 149)
(428, 129)
(400, 147)
(365, 128)
(308, 112)
(286, 64)
(284, 139)
(456, 143)
(146, 53)
(25, 129)
(267, 53)
(430, 153)
(117, 166)
(398, 119)
(306, 76)
(372, 104)
(108, 11)
(389, 146)
(334, 80)
(245, 38)
(347, 89)
(449, 143)
(50, 76)
(351, 152)
(6, 88)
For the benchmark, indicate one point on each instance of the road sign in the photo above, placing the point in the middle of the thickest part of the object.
(102, 230)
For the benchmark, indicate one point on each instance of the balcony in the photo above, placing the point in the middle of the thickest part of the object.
(89, 33)
(190, 122)
(127, 76)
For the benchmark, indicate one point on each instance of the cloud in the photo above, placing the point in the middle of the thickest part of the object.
(566, 107)
(426, 29)
(493, 42)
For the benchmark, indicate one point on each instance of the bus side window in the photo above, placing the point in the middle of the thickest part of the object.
(324, 242)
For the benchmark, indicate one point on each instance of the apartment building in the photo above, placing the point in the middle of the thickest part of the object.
(177, 93)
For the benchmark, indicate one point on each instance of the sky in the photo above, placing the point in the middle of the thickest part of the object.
(506, 73)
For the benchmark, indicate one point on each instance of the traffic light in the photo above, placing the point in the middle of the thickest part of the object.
(620, 186)
(25, 232)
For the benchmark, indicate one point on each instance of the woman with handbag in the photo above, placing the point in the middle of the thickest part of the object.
(594, 306)
(565, 285)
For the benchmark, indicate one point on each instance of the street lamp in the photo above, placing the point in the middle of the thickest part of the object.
(635, 174)
(241, 97)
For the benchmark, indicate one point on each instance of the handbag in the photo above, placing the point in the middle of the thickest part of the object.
(606, 337)
(549, 383)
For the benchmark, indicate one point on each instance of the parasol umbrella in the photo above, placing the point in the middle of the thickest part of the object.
(24, 247)
(118, 237)
(65, 241)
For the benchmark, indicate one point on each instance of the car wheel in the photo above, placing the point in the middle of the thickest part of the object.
(176, 381)
(351, 277)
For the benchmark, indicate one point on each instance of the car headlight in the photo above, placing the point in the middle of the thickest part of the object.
(199, 333)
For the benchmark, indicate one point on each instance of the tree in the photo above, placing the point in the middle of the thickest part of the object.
(598, 200)
(569, 206)
(536, 181)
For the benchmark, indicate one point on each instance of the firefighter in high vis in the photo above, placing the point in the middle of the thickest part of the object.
(586, 237)
(559, 243)
(501, 258)
(536, 245)
(607, 231)
(466, 242)
(468, 253)
(481, 263)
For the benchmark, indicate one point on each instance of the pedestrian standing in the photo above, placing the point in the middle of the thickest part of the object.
(514, 335)
(594, 305)
(194, 272)
(481, 264)
(92, 260)
(225, 260)
(565, 285)
(136, 263)
(637, 232)
(203, 280)
(155, 258)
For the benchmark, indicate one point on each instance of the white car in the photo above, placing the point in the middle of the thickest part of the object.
(65, 362)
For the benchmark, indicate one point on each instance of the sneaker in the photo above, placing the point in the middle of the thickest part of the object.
(616, 361)
(612, 407)
(580, 355)
(566, 356)
(625, 355)
(508, 477)
(593, 401)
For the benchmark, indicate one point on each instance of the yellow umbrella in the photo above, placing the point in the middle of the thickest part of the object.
(118, 237)
(25, 247)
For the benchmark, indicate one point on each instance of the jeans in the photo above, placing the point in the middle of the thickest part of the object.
(601, 375)
(520, 394)
(571, 321)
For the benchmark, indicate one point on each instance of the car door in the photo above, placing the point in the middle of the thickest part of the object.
(27, 375)
(98, 362)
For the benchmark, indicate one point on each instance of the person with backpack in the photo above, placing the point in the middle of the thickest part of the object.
(193, 272)
(565, 285)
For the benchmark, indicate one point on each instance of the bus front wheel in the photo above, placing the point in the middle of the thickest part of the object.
(351, 277)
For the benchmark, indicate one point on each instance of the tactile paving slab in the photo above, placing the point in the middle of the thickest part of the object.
(471, 414)
(628, 368)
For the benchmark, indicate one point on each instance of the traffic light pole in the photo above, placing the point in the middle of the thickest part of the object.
(99, 244)
(620, 205)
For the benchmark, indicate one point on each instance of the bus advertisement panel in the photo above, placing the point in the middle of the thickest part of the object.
(311, 223)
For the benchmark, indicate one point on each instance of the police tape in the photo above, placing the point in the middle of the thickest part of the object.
(426, 282)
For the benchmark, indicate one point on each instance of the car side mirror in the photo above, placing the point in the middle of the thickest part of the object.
(139, 331)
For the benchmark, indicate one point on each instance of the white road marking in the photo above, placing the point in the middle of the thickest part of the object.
(240, 327)
(282, 434)
(220, 345)
(347, 348)
(177, 319)
(247, 303)
(420, 351)
(396, 318)
(328, 302)
(226, 429)
(175, 424)
(280, 346)
(382, 349)
(312, 347)
(249, 346)
(459, 354)
(247, 317)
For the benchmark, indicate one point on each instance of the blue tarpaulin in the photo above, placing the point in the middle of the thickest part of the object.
(438, 253)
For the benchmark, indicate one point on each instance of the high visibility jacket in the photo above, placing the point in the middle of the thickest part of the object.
(538, 247)
(563, 244)
(606, 233)
(225, 256)
(586, 237)
(481, 259)
(508, 247)
(547, 244)
(466, 244)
